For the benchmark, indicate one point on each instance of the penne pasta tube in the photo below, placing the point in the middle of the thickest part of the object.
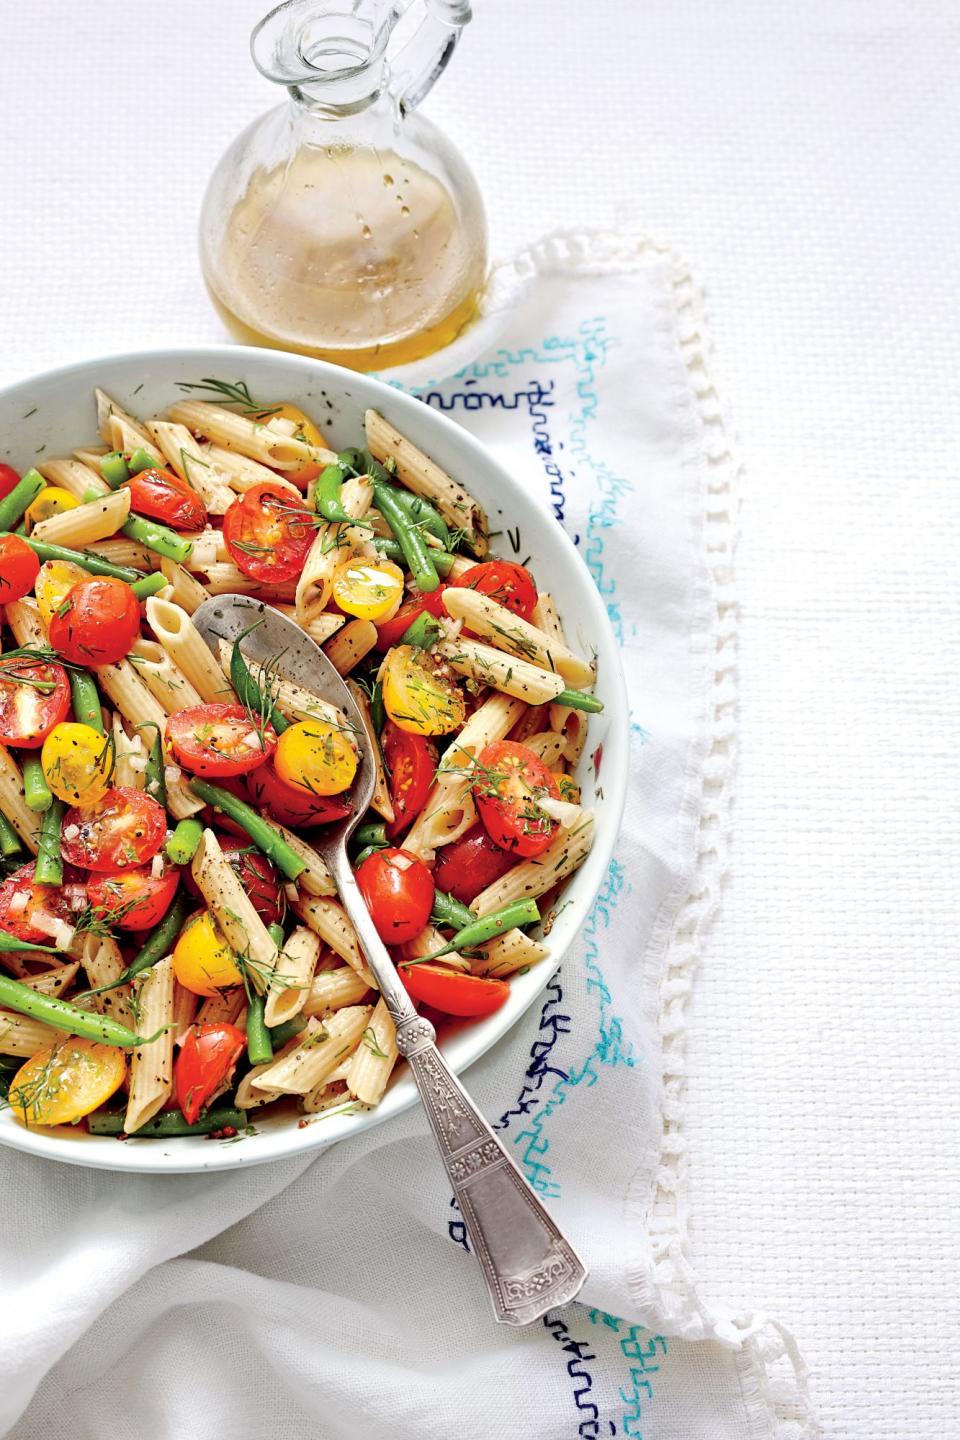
(103, 964)
(380, 799)
(128, 694)
(516, 636)
(85, 524)
(130, 762)
(123, 551)
(330, 1092)
(324, 1045)
(333, 989)
(315, 879)
(224, 1008)
(240, 472)
(321, 627)
(222, 577)
(291, 699)
(448, 813)
(461, 566)
(184, 1010)
(109, 409)
(242, 927)
(332, 545)
(532, 878)
(350, 645)
(91, 455)
(248, 1096)
(23, 617)
(181, 801)
(128, 435)
(490, 666)
(548, 745)
(265, 441)
(185, 591)
(571, 724)
(535, 722)
(208, 549)
(151, 1065)
(374, 1058)
(493, 720)
(424, 477)
(183, 454)
(331, 923)
(53, 981)
(290, 982)
(163, 679)
(427, 943)
(73, 477)
(183, 643)
(508, 955)
(19, 1035)
(25, 821)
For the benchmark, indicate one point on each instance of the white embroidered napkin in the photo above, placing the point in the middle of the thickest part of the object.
(339, 1301)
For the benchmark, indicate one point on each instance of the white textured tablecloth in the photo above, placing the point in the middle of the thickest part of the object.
(805, 159)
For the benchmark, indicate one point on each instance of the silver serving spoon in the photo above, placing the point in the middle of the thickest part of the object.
(527, 1264)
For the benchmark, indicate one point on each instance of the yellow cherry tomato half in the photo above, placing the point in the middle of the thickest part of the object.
(568, 787)
(77, 763)
(314, 755)
(306, 430)
(417, 697)
(368, 589)
(202, 960)
(65, 1081)
(51, 501)
(54, 582)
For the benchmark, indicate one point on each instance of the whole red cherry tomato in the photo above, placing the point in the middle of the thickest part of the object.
(97, 622)
(397, 889)
(470, 864)
(207, 1057)
(164, 496)
(19, 565)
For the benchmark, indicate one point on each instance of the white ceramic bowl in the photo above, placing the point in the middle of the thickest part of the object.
(53, 413)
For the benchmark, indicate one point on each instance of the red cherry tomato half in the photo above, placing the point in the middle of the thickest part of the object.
(291, 805)
(412, 762)
(453, 993)
(132, 899)
(124, 829)
(268, 531)
(390, 631)
(207, 1057)
(34, 696)
(397, 889)
(470, 864)
(256, 874)
(19, 565)
(23, 902)
(9, 480)
(219, 740)
(164, 496)
(97, 622)
(511, 585)
(510, 780)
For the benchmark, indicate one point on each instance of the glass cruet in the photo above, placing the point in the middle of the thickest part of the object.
(344, 224)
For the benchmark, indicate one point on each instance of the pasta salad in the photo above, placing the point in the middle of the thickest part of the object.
(173, 956)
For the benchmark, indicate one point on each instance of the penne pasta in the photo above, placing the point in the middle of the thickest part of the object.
(333, 989)
(108, 409)
(331, 546)
(166, 683)
(331, 923)
(264, 441)
(548, 745)
(321, 627)
(185, 456)
(515, 636)
(53, 981)
(324, 1045)
(123, 551)
(380, 799)
(73, 477)
(374, 1058)
(86, 524)
(427, 943)
(19, 1035)
(130, 756)
(350, 645)
(330, 1092)
(315, 878)
(127, 435)
(184, 590)
(507, 955)
(290, 982)
(532, 878)
(25, 821)
(103, 963)
(183, 643)
(424, 477)
(240, 472)
(489, 666)
(128, 694)
(571, 724)
(151, 1064)
(23, 617)
(242, 927)
(184, 1011)
(224, 1008)
(222, 577)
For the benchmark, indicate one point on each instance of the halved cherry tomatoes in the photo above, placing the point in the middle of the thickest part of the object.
(470, 864)
(306, 430)
(368, 589)
(452, 992)
(316, 756)
(65, 1081)
(389, 632)
(123, 829)
(77, 762)
(9, 480)
(412, 762)
(256, 874)
(52, 500)
(219, 740)
(53, 584)
(291, 805)
(23, 903)
(510, 779)
(164, 496)
(202, 960)
(207, 1057)
(397, 889)
(268, 532)
(510, 584)
(132, 899)
(34, 697)
(418, 696)
(97, 622)
(19, 567)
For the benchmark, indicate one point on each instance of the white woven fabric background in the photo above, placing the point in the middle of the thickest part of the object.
(804, 158)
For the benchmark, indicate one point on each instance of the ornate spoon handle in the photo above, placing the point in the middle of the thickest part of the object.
(527, 1264)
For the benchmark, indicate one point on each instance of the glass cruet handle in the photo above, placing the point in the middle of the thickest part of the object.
(427, 35)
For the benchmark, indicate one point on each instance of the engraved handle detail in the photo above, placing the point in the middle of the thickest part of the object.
(528, 1265)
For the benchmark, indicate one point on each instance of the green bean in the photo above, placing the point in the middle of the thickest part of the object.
(378, 715)
(48, 868)
(113, 468)
(168, 1123)
(372, 833)
(155, 780)
(64, 1016)
(365, 854)
(327, 495)
(450, 912)
(9, 839)
(149, 585)
(411, 542)
(157, 537)
(255, 700)
(11, 943)
(182, 845)
(36, 791)
(578, 700)
(443, 562)
(263, 836)
(259, 1044)
(422, 633)
(280, 1034)
(423, 515)
(141, 459)
(87, 559)
(353, 460)
(498, 922)
(276, 935)
(21, 496)
(85, 698)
